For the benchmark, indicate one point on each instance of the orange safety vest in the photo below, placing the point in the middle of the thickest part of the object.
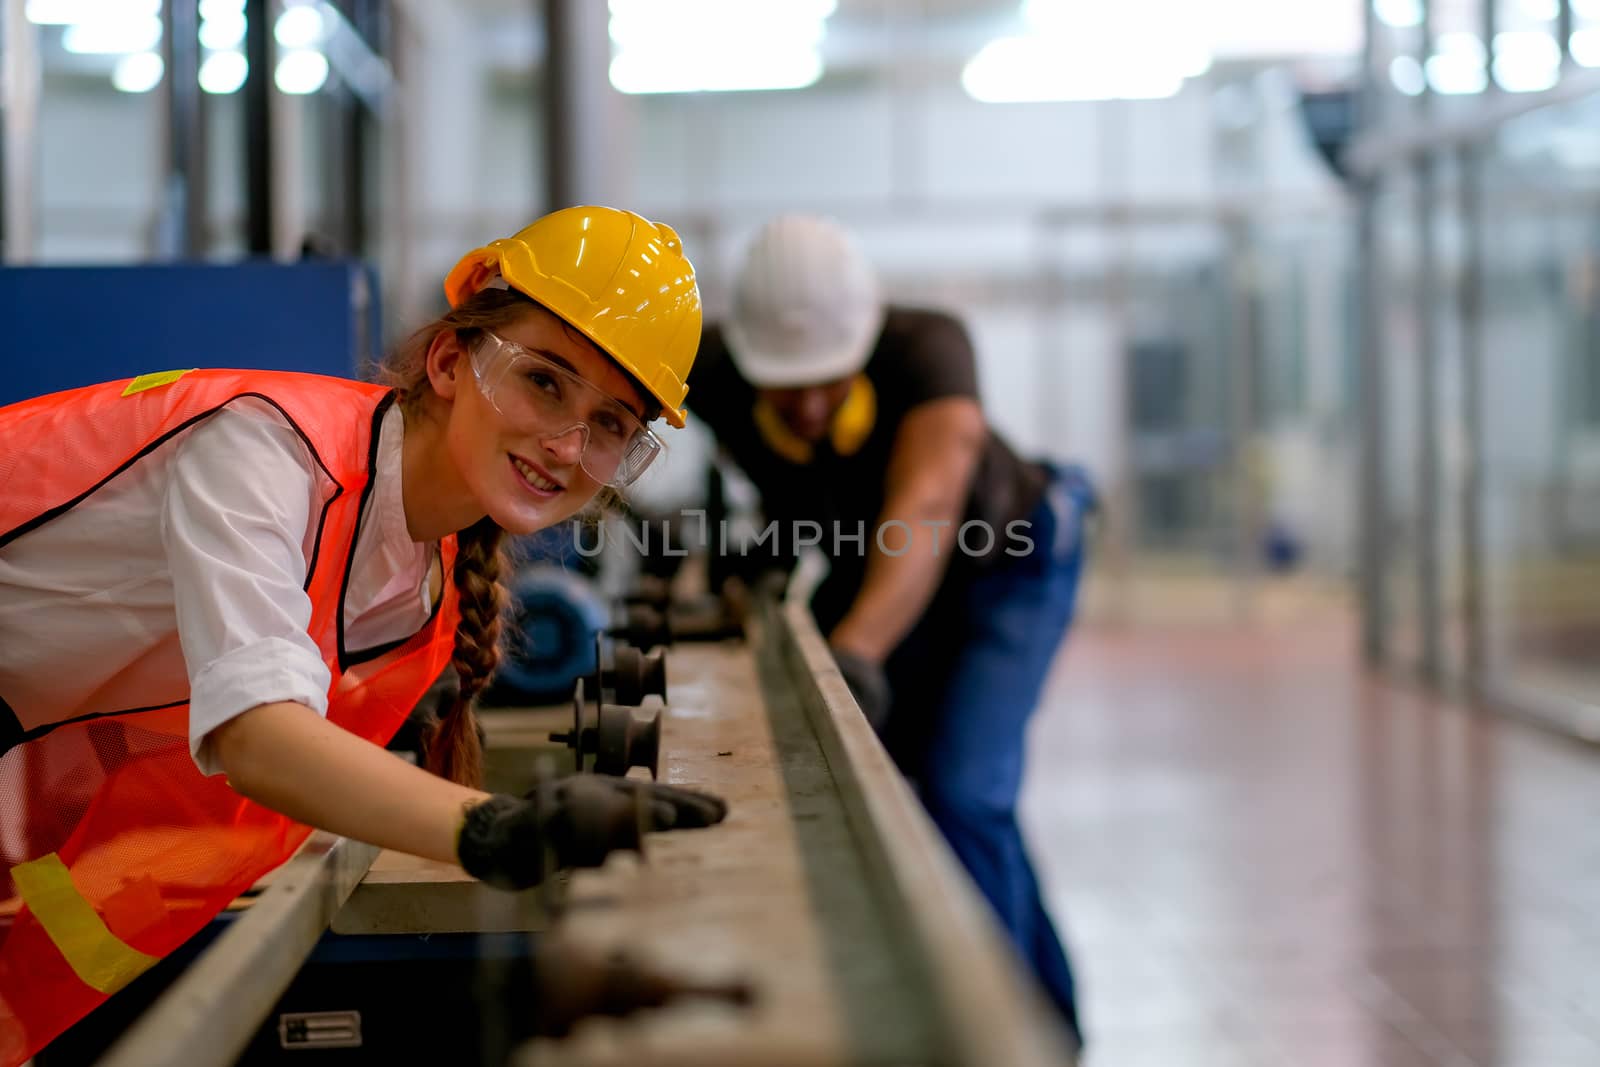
(125, 850)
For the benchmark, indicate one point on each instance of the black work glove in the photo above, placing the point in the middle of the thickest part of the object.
(868, 684)
(577, 821)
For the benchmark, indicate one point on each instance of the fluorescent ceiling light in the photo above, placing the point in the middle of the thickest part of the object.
(1456, 75)
(1459, 65)
(1406, 75)
(1541, 10)
(1586, 48)
(223, 31)
(221, 9)
(223, 72)
(300, 27)
(1011, 70)
(681, 46)
(301, 72)
(111, 36)
(1401, 14)
(647, 21)
(1088, 50)
(1526, 61)
(138, 73)
(68, 12)
(753, 71)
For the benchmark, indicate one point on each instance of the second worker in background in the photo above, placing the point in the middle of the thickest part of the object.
(954, 562)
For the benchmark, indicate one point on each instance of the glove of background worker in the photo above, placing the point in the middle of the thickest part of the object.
(576, 821)
(868, 684)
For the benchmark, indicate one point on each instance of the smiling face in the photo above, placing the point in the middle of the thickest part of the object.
(523, 473)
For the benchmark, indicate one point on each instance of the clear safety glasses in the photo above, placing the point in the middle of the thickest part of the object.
(541, 397)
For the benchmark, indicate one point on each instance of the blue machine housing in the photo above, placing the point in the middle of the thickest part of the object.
(73, 326)
(556, 614)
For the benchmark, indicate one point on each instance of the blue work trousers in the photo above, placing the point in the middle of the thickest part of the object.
(960, 733)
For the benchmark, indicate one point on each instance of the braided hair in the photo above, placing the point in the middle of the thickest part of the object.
(452, 745)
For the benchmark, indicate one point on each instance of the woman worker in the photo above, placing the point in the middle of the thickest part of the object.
(222, 591)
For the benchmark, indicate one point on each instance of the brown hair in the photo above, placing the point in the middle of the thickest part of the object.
(452, 744)
(454, 750)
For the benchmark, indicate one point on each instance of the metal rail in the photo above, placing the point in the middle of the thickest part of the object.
(989, 1012)
(214, 1010)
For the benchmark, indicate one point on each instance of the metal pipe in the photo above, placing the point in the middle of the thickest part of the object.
(576, 102)
(19, 147)
(1373, 507)
(1242, 363)
(258, 127)
(1473, 295)
(184, 191)
(1429, 585)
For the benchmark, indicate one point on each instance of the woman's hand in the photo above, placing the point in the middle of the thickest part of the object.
(577, 821)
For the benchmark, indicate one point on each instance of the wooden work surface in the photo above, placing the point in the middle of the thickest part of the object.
(404, 894)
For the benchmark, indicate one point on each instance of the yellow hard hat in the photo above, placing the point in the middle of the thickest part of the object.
(617, 277)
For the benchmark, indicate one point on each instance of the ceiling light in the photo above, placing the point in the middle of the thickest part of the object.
(222, 32)
(749, 70)
(678, 46)
(1585, 47)
(1406, 75)
(113, 35)
(223, 72)
(1401, 14)
(301, 72)
(300, 27)
(1458, 65)
(1526, 61)
(67, 12)
(1012, 70)
(1082, 50)
(138, 73)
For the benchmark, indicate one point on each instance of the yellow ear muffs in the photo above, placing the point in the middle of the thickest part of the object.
(856, 417)
(852, 425)
(775, 433)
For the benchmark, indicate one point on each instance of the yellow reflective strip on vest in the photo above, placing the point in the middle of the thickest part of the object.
(150, 381)
(96, 955)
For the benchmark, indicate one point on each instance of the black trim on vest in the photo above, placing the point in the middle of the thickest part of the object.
(346, 660)
(11, 732)
(8, 742)
(61, 509)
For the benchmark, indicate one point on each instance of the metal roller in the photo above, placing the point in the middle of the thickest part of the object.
(614, 738)
(626, 675)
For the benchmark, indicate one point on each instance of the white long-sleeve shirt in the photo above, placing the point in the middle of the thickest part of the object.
(184, 578)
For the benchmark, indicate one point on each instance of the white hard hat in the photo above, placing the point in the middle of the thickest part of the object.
(806, 306)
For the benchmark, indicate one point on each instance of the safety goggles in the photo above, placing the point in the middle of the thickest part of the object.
(544, 398)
